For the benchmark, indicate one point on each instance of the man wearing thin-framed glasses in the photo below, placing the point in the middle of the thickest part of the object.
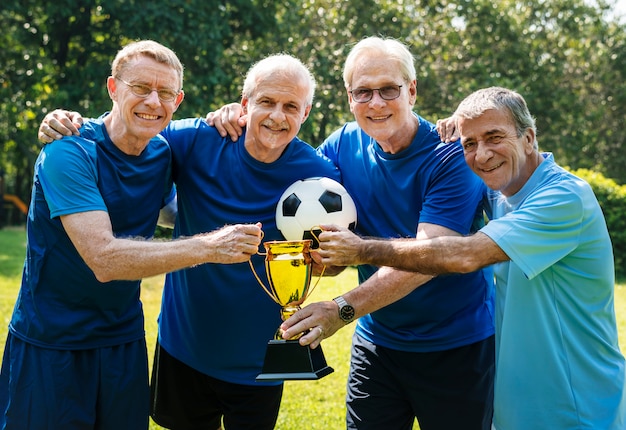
(143, 91)
(75, 356)
(364, 95)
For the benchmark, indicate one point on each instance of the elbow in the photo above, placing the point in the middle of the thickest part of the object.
(103, 275)
(468, 265)
(102, 271)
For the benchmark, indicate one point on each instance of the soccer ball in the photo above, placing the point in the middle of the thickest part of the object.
(310, 202)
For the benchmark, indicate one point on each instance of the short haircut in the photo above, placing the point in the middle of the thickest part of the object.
(284, 66)
(383, 47)
(148, 48)
(502, 99)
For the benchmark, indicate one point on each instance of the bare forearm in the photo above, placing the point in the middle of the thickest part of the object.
(445, 254)
(384, 287)
(124, 259)
(112, 258)
(381, 289)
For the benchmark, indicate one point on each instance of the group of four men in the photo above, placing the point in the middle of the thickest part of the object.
(424, 342)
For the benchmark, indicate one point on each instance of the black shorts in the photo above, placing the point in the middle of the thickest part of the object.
(444, 390)
(184, 399)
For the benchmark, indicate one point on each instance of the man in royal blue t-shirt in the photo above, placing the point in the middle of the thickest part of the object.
(199, 368)
(75, 356)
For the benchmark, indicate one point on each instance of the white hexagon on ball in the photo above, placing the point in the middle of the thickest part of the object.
(310, 202)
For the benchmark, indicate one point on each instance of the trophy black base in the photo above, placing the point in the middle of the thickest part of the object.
(288, 360)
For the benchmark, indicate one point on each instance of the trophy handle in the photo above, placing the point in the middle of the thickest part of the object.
(316, 282)
(267, 290)
(323, 265)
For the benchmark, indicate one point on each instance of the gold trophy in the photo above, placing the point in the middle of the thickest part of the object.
(288, 269)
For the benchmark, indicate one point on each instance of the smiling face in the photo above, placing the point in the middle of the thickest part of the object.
(495, 152)
(390, 122)
(276, 109)
(134, 120)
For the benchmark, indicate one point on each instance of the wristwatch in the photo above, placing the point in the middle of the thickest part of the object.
(346, 311)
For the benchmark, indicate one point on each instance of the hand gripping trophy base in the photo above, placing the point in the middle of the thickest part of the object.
(288, 269)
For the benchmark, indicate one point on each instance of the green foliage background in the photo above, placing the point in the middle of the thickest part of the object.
(567, 57)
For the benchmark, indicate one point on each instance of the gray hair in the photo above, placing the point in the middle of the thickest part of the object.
(285, 66)
(498, 98)
(148, 48)
(384, 47)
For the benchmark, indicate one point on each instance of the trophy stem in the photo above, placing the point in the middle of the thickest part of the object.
(285, 313)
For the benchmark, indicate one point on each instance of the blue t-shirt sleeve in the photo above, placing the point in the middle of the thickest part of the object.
(542, 231)
(169, 196)
(330, 147)
(454, 195)
(69, 177)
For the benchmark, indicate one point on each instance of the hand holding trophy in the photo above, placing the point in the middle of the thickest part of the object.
(302, 207)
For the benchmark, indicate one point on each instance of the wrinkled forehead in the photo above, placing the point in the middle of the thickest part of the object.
(489, 122)
(372, 72)
(291, 87)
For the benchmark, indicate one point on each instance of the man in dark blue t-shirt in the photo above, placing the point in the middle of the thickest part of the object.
(76, 354)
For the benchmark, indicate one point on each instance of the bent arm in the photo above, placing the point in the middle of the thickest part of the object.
(112, 258)
(384, 287)
(390, 283)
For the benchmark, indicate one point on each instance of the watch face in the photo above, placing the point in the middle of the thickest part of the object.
(347, 313)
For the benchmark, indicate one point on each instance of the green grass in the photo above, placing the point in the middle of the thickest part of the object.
(306, 404)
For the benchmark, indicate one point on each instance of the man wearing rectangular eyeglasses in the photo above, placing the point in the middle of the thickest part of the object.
(75, 356)
(429, 355)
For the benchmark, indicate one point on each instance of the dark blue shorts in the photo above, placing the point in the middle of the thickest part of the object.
(103, 388)
(185, 399)
(444, 390)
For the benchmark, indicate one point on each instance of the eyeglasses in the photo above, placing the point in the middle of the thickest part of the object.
(364, 95)
(144, 91)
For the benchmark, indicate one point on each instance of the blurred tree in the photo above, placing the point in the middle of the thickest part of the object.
(567, 57)
(564, 56)
(58, 54)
